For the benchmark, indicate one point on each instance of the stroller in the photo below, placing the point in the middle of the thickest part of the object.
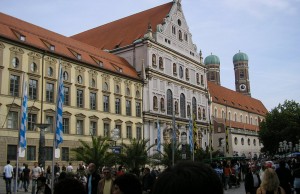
(234, 181)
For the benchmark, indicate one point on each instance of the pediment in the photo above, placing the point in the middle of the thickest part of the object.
(13, 105)
(80, 115)
(49, 111)
(94, 117)
(66, 113)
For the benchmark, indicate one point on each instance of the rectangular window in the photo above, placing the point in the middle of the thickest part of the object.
(80, 98)
(12, 120)
(79, 127)
(31, 153)
(49, 92)
(106, 130)
(31, 121)
(50, 120)
(118, 106)
(14, 85)
(128, 107)
(66, 96)
(66, 126)
(106, 103)
(138, 133)
(93, 128)
(120, 129)
(65, 154)
(93, 101)
(138, 109)
(48, 153)
(33, 85)
(129, 132)
(202, 80)
(11, 152)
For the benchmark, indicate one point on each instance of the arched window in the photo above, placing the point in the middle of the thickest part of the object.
(169, 102)
(187, 74)
(180, 71)
(79, 79)
(93, 83)
(180, 35)
(161, 63)
(202, 80)
(33, 67)
(241, 118)
(246, 119)
(65, 76)
(249, 141)
(235, 141)
(155, 102)
(174, 69)
(185, 37)
(182, 106)
(153, 60)
(105, 86)
(50, 71)
(242, 141)
(203, 113)
(254, 142)
(229, 116)
(199, 114)
(235, 117)
(162, 104)
(15, 62)
(189, 110)
(117, 90)
(223, 114)
(194, 106)
(197, 78)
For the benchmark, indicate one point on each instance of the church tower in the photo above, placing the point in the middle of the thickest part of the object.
(212, 63)
(242, 83)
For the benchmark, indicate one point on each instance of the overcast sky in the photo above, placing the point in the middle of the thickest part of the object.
(268, 31)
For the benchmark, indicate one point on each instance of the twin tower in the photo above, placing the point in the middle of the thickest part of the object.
(240, 62)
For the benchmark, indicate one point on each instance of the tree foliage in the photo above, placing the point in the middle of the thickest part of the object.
(282, 123)
(135, 154)
(165, 158)
(96, 152)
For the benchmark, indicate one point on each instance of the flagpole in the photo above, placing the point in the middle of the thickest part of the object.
(20, 125)
(59, 81)
(173, 140)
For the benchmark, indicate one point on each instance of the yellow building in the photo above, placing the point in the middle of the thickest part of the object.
(102, 91)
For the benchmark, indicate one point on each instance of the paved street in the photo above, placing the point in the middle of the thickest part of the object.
(3, 190)
(238, 190)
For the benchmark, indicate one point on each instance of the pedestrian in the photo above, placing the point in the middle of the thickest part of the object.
(127, 184)
(226, 174)
(188, 177)
(25, 174)
(252, 180)
(48, 174)
(36, 172)
(8, 175)
(42, 187)
(69, 168)
(16, 178)
(270, 183)
(147, 181)
(21, 185)
(105, 185)
(92, 179)
(285, 177)
(296, 176)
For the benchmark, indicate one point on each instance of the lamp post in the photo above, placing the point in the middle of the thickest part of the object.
(183, 142)
(41, 157)
(285, 147)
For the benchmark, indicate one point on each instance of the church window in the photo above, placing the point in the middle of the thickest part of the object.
(202, 80)
(185, 37)
(212, 76)
(169, 102)
(179, 22)
(197, 78)
(203, 113)
(180, 71)
(173, 30)
(182, 106)
(194, 106)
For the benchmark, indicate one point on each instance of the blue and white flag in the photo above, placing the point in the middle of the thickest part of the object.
(23, 142)
(59, 111)
(191, 135)
(158, 136)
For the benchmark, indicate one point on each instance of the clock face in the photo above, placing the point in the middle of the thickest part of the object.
(242, 87)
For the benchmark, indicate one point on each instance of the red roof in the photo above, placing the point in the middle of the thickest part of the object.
(38, 37)
(126, 30)
(230, 98)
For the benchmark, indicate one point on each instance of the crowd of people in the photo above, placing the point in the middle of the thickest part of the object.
(184, 177)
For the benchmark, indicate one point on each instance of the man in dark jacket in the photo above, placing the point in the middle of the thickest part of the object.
(252, 180)
(285, 177)
(92, 179)
(148, 181)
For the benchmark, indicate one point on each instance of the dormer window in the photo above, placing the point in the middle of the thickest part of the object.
(79, 56)
(22, 37)
(33, 67)
(179, 22)
(52, 47)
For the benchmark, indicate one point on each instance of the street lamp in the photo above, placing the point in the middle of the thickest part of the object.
(41, 157)
(183, 142)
